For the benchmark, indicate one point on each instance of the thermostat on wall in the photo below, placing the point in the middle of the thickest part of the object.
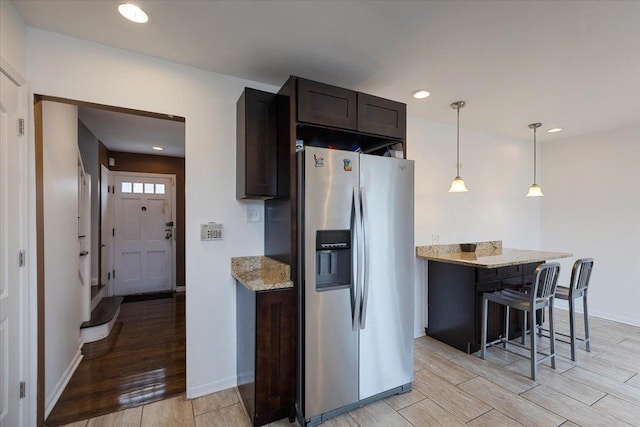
(211, 231)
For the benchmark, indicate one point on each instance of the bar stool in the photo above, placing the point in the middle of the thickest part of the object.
(542, 294)
(580, 275)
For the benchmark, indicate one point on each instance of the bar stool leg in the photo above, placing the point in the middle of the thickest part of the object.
(524, 327)
(587, 340)
(552, 335)
(534, 349)
(572, 328)
(506, 328)
(483, 343)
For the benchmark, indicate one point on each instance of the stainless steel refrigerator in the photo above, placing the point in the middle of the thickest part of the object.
(356, 275)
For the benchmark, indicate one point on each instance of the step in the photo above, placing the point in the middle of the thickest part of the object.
(103, 317)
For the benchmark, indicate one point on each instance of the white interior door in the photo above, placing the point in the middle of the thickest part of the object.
(143, 234)
(106, 225)
(84, 238)
(12, 281)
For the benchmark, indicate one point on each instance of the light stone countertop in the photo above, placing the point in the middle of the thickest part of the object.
(487, 255)
(261, 273)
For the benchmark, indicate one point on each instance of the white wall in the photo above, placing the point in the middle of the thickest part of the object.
(88, 145)
(591, 208)
(63, 290)
(13, 38)
(71, 68)
(498, 172)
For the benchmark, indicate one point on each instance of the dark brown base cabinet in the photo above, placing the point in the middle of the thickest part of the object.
(266, 342)
(455, 302)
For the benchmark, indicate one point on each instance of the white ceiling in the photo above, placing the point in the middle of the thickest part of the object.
(133, 133)
(573, 64)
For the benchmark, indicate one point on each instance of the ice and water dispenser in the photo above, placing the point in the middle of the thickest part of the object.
(333, 259)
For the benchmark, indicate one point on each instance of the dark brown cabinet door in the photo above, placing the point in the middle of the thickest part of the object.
(495, 313)
(326, 105)
(256, 160)
(381, 116)
(275, 355)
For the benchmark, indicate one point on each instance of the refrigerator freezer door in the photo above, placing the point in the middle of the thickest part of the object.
(330, 342)
(386, 340)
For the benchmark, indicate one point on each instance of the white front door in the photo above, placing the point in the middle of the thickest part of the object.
(13, 291)
(143, 234)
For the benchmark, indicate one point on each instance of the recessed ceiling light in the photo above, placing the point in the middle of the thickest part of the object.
(133, 13)
(421, 94)
(554, 130)
(158, 148)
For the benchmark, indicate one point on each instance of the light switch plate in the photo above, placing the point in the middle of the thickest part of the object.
(253, 214)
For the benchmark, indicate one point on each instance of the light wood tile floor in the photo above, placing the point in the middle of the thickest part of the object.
(452, 388)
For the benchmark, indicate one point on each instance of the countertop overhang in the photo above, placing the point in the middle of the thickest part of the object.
(487, 255)
(261, 273)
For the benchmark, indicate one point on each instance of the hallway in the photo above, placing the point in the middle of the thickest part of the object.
(142, 361)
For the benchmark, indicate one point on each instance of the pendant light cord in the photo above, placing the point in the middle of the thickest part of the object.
(534, 155)
(458, 145)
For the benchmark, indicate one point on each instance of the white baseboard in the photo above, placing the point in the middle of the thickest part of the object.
(99, 332)
(96, 300)
(59, 388)
(94, 281)
(181, 288)
(564, 305)
(211, 387)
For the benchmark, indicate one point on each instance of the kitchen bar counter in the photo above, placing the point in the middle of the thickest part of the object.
(260, 273)
(457, 280)
(487, 255)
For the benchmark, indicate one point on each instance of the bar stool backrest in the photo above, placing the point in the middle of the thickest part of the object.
(545, 280)
(580, 275)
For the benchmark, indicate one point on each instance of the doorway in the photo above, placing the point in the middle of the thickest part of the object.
(54, 380)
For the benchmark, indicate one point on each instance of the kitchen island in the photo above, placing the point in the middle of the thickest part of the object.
(457, 280)
(266, 338)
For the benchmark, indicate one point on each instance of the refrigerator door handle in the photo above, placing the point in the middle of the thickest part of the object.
(355, 258)
(365, 262)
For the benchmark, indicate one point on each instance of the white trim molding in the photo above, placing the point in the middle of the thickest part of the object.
(13, 74)
(62, 384)
(211, 387)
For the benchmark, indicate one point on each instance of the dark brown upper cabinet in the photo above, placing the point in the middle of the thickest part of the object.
(326, 105)
(256, 145)
(381, 116)
(335, 107)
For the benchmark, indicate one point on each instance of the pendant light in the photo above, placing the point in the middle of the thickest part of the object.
(534, 190)
(458, 186)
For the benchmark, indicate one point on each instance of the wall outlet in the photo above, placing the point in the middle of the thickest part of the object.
(253, 214)
(435, 239)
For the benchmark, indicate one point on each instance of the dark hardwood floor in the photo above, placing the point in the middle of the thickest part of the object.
(142, 361)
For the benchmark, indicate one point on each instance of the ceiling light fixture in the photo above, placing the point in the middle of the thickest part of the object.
(158, 148)
(554, 130)
(421, 94)
(534, 190)
(458, 186)
(133, 13)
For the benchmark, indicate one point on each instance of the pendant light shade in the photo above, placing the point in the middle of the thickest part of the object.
(458, 185)
(534, 190)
